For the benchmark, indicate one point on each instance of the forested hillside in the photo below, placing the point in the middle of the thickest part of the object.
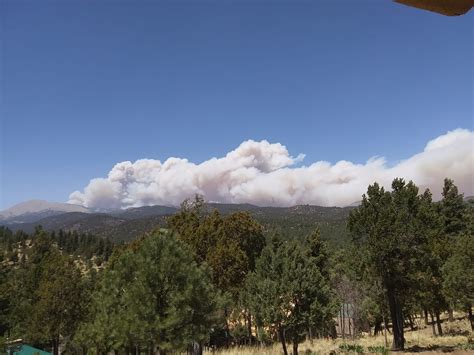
(289, 222)
(219, 278)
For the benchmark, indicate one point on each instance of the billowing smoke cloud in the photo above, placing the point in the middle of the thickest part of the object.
(266, 174)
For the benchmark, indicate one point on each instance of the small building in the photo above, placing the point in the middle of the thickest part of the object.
(345, 321)
(18, 348)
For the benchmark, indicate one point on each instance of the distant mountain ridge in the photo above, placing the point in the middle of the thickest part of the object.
(125, 225)
(34, 210)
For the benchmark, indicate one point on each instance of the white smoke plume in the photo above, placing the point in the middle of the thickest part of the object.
(265, 174)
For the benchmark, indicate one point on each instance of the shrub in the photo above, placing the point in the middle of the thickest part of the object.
(351, 348)
(456, 328)
(378, 349)
(467, 346)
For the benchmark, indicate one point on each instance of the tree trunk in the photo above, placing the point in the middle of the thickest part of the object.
(249, 326)
(281, 335)
(451, 314)
(310, 335)
(351, 331)
(227, 330)
(425, 311)
(153, 349)
(471, 317)
(397, 320)
(385, 330)
(196, 348)
(295, 347)
(438, 323)
(412, 325)
(343, 323)
(433, 324)
(377, 327)
(55, 346)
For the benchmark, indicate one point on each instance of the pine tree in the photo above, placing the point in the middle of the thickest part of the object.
(59, 306)
(453, 209)
(229, 244)
(288, 294)
(458, 273)
(151, 296)
(388, 226)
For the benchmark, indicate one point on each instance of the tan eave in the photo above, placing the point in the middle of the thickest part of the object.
(445, 7)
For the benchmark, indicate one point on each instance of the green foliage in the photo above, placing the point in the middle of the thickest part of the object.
(163, 292)
(289, 222)
(60, 300)
(86, 245)
(453, 209)
(457, 251)
(229, 244)
(466, 346)
(318, 251)
(378, 349)
(408, 244)
(152, 296)
(389, 227)
(458, 272)
(386, 225)
(73, 243)
(4, 300)
(351, 348)
(45, 295)
(288, 293)
(356, 285)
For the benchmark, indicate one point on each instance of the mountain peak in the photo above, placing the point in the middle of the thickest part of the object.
(39, 206)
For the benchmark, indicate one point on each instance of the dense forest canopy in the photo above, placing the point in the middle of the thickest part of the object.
(208, 278)
(126, 225)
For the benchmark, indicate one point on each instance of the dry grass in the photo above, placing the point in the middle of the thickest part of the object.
(421, 341)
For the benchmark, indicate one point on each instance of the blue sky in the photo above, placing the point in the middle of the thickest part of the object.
(88, 84)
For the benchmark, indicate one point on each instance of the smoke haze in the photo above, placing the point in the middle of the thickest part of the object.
(265, 174)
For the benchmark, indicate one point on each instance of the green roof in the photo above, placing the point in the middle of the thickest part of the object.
(26, 350)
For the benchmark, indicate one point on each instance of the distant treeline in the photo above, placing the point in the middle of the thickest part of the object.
(70, 242)
(218, 280)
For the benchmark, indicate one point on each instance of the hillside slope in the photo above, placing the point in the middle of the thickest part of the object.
(33, 210)
(289, 222)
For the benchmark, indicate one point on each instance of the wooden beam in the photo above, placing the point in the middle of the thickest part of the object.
(445, 7)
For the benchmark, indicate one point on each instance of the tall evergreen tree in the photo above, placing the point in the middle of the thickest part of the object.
(288, 294)
(458, 273)
(387, 226)
(60, 302)
(152, 297)
(453, 209)
(229, 244)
